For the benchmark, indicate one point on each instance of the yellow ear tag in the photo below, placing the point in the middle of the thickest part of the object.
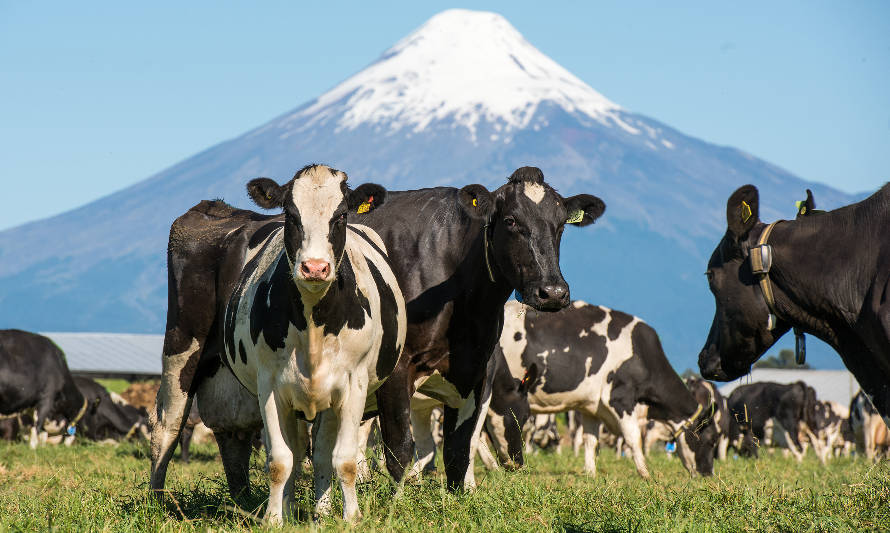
(475, 203)
(746, 211)
(801, 207)
(363, 208)
(575, 216)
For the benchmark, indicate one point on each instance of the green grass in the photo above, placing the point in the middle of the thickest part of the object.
(114, 385)
(103, 488)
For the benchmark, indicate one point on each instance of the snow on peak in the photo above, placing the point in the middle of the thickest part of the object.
(467, 65)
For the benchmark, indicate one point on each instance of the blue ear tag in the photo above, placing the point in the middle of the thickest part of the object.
(670, 447)
(518, 296)
(72, 430)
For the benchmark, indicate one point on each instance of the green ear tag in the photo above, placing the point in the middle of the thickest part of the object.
(575, 216)
(745, 211)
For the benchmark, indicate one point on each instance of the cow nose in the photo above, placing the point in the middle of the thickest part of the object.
(553, 294)
(709, 365)
(315, 269)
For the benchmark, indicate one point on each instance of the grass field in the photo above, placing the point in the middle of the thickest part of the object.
(102, 488)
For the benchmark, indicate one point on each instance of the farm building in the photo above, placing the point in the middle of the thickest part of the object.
(834, 385)
(111, 355)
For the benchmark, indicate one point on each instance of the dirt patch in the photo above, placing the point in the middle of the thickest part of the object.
(142, 394)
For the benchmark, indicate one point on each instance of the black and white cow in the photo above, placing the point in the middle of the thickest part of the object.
(34, 375)
(107, 419)
(457, 254)
(780, 411)
(871, 436)
(314, 326)
(829, 276)
(707, 395)
(609, 366)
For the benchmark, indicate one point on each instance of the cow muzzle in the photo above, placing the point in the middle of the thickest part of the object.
(549, 297)
(315, 270)
(711, 366)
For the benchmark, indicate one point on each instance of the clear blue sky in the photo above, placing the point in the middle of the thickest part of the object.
(95, 96)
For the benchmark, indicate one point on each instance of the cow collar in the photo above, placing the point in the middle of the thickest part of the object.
(485, 248)
(689, 421)
(761, 262)
(83, 410)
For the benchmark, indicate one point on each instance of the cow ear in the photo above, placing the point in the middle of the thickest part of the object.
(529, 380)
(583, 209)
(266, 193)
(742, 211)
(806, 207)
(476, 201)
(366, 197)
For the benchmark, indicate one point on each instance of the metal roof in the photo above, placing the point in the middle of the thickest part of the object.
(110, 353)
(835, 385)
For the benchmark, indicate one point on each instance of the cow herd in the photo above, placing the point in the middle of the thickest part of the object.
(350, 304)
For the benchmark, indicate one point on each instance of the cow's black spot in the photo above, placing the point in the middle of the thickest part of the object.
(595, 314)
(617, 323)
(517, 336)
(595, 348)
(389, 351)
(343, 305)
(242, 352)
(275, 306)
(262, 233)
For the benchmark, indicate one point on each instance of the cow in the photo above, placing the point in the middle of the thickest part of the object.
(457, 254)
(315, 325)
(34, 375)
(609, 366)
(782, 412)
(826, 274)
(829, 433)
(707, 395)
(106, 419)
(872, 437)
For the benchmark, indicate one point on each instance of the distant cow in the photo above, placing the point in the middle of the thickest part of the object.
(788, 410)
(827, 275)
(34, 375)
(107, 419)
(707, 395)
(609, 366)
(314, 326)
(872, 437)
(456, 269)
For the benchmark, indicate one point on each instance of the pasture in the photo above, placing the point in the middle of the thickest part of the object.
(103, 488)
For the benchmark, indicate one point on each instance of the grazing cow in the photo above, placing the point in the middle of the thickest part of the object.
(871, 435)
(314, 326)
(789, 410)
(707, 395)
(609, 366)
(456, 271)
(107, 419)
(826, 274)
(34, 375)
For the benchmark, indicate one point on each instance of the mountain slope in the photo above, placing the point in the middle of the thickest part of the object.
(463, 99)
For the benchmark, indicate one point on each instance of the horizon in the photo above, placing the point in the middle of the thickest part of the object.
(724, 75)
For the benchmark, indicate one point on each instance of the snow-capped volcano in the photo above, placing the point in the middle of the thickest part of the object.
(464, 66)
(463, 99)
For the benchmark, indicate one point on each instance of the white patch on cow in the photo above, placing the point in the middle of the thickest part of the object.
(583, 333)
(578, 304)
(566, 349)
(687, 456)
(466, 410)
(514, 322)
(316, 197)
(534, 191)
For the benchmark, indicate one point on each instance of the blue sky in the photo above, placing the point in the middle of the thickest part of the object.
(96, 96)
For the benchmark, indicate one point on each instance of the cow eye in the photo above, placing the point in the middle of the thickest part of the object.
(510, 221)
(710, 276)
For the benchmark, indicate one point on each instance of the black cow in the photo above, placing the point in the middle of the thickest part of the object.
(790, 409)
(457, 254)
(828, 274)
(610, 368)
(107, 419)
(34, 375)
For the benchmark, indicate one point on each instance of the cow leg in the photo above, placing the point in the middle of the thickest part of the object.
(485, 454)
(185, 443)
(324, 437)
(793, 446)
(345, 449)
(722, 447)
(280, 424)
(590, 428)
(172, 405)
(577, 432)
(630, 430)
(234, 449)
(462, 427)
(425, 445)
(394, 407)
(364, 463)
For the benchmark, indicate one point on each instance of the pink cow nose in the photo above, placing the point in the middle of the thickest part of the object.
(315, 269)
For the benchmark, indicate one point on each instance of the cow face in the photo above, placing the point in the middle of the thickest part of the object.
(739, 334)
(700, 441)
(315, 203)
(527, 224)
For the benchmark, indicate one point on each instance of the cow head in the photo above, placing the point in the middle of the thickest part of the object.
(509, 411)
(739, 333)
(526, 228)
(315, 203)
(698, 442)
